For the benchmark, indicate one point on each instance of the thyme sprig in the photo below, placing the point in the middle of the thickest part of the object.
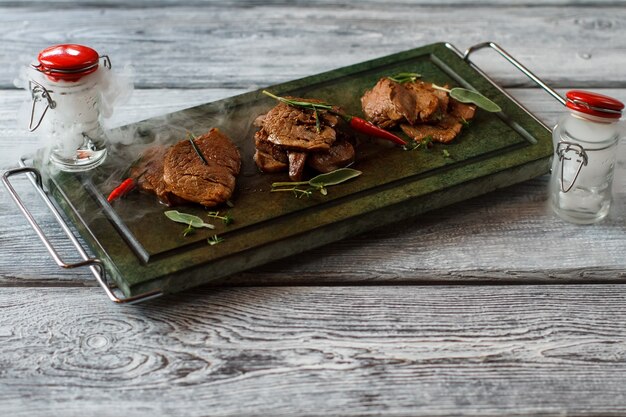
(426, 143)
(214, 240)
(226, 218)
(319, 183)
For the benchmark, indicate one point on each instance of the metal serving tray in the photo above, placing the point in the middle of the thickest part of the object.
(143, 254)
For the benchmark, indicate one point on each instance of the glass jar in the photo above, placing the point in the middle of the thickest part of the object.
(585, 144)
(66, 81)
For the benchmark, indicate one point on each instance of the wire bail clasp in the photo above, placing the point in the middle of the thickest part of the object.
(579, 155)
(38, 93)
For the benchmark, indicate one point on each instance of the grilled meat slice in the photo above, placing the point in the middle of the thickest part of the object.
(295, 129)
(445, 129)
(296, 164)
(389, 103)
(463, 111)
(261, 143)
(148, 174)
(210, 184)
(267, 163)
(340, 155)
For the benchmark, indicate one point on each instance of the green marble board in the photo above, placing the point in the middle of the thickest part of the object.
(143, 251)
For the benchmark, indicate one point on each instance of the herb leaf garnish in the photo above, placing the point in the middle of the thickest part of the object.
(189, 219)
(405, 77)
(226, 218)
(318, 183)
(470, 96)
(214, 240)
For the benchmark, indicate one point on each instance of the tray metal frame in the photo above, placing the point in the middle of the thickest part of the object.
(96, 265)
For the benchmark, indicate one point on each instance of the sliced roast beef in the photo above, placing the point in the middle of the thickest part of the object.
(291, 138)
(296, 129)
(463, 111)
(389, 103)
(267, 163)
(189, 177)
(148, 174)
(444, 131)
(340, 155)
(264, 145)
(296, 164)
(446, 128)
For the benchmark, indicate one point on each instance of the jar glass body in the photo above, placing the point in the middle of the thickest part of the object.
(582, 170)
(71, 127)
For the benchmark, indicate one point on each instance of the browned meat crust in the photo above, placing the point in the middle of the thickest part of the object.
(289, 140)
(389, 103)
(148, 173)
(420, 109)
(210, 184)
(340, 155)
(446, 128)
(295, 129)
(296, 164)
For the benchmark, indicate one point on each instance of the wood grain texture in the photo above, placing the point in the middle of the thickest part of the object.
(264, 43)
(317, 351)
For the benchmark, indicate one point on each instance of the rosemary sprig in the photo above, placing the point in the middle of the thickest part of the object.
(298, 103)
(192, 138)
(404, 77)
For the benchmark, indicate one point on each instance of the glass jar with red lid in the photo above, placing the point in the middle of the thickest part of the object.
(65, 85)
(585, 143)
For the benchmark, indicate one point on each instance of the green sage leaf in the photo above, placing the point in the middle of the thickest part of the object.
(468, 96)
(334, 177)
(188, 219)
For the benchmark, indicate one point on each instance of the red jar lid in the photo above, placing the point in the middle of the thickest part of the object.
(68, 62)
(594, 104)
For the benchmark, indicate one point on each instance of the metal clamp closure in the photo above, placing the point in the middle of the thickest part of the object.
(38, 92)
(579, 155)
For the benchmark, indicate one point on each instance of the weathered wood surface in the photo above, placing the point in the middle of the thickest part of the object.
(319, 351)
(337, 336)
(258, 43)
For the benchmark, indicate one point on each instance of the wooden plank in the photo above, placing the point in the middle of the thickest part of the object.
(492, 350)
(454, 4)
(506, 236)
(258, 44)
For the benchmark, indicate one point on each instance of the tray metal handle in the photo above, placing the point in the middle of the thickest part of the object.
(95, 265)
(516, 64)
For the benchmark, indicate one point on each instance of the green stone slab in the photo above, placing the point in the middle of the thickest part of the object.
(143, 250)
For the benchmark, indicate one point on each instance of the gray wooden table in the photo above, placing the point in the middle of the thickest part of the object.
(489, 307)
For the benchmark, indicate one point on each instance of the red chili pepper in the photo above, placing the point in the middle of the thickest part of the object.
(363, 126)
(127, 185)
